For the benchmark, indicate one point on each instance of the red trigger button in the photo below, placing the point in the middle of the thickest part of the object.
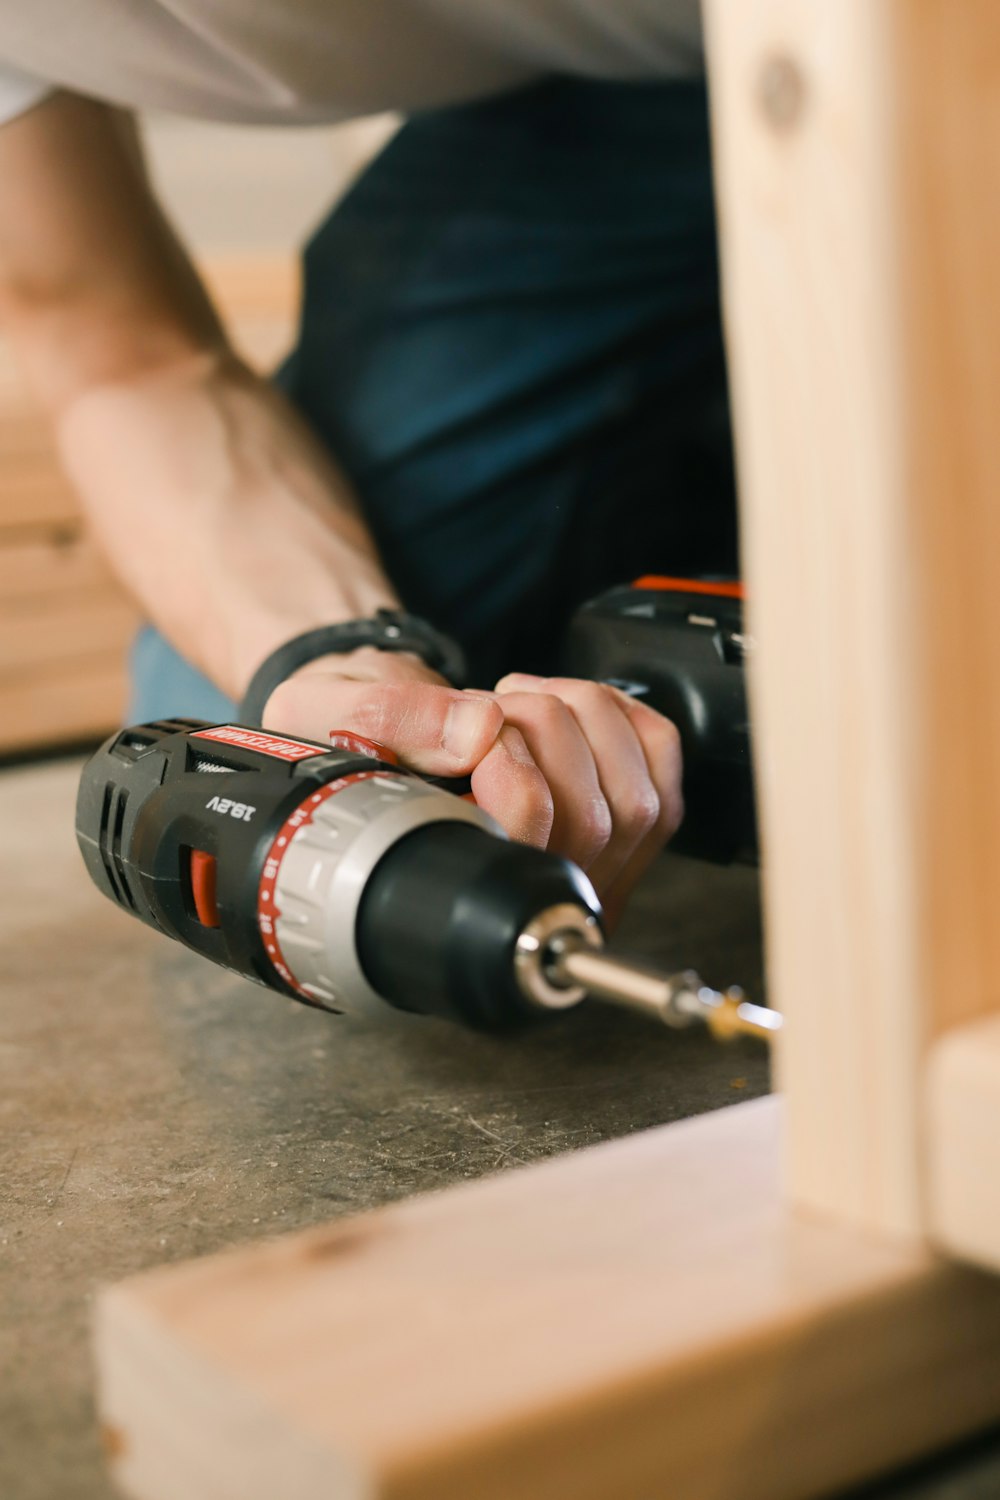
(343, 739)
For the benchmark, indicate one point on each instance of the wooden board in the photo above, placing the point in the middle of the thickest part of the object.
(860, 253)
(258, 297)
(963, 1142)
(34, 493)
(63, 704)
(53, 633)
(41, 565)
(643, 1319)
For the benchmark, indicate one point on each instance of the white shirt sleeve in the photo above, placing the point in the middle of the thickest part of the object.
(19, 91)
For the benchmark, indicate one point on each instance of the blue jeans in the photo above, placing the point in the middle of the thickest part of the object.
(511, 339)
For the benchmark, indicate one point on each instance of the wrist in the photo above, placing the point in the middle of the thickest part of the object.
(251, 637)
(362, 647)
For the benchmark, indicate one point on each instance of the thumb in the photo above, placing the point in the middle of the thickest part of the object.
(437, 730)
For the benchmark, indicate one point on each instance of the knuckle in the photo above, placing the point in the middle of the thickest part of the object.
(592, 697)
(662, 744)
(514, 682)
(640, 811)
(548, 710)
(587, 700)
(665, 735)
(594, 825)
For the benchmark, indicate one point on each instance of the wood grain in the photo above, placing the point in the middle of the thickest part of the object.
(57, 632)
(75, 702)
(860, 246)
(641, 1319)
(46, 564)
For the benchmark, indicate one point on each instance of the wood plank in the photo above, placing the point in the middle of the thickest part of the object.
(258, 297)
(645, 1318)
(24, 433)
(34, 493)
(82, 701)
(45, 632)
(859, 254)
(963, 1142)
(265, 282)
(39, 564)
(949, 66)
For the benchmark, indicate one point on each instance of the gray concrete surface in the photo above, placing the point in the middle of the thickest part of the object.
(153, 1108)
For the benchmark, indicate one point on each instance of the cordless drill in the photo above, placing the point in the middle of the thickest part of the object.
(331, 874)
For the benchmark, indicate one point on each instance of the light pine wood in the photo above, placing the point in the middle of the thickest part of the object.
(963, 1142)
(34, 493)
(45, 633)
(65, 704)
(43, 564)
(258, 297)
(860, 246)
(643, 1319)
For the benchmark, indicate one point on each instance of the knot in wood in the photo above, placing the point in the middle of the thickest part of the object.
(781, 91)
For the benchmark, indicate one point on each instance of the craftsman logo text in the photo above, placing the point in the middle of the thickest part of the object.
(260, 741)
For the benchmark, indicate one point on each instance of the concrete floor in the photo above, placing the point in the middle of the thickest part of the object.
(153, 1108)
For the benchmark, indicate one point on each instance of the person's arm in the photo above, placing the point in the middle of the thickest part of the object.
(234, 529)
(217, 508)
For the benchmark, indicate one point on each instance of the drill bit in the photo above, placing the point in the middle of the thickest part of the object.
(678, 1000)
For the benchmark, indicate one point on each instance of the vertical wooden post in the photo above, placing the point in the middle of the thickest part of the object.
(858, 150)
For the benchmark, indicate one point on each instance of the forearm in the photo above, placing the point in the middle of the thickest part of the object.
(219, 511)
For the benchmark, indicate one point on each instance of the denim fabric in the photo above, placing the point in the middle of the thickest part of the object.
(511, 339)
(165, 686)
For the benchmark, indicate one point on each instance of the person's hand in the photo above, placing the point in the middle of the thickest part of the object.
(396, 700)
(613, 769)
(575, 767)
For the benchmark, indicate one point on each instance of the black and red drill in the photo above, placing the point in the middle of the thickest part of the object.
(331, 874)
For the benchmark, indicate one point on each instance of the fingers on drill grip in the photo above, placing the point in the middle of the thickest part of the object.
(510, 786)
(614, 767)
